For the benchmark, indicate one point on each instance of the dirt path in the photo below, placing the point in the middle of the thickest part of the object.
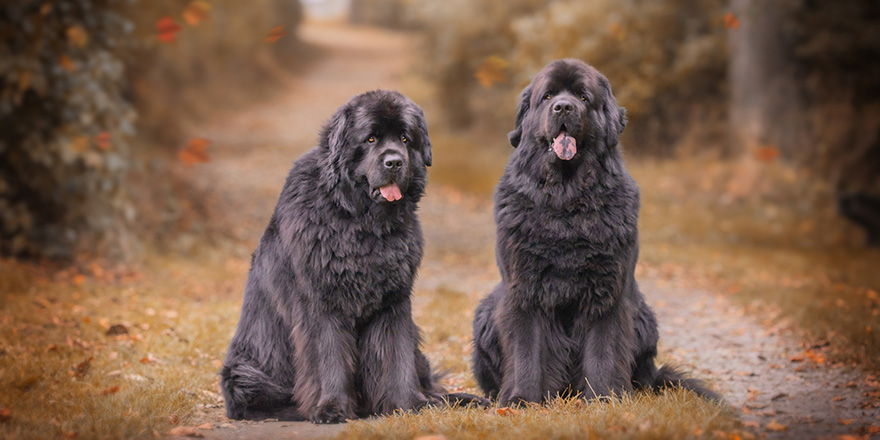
(750, 363)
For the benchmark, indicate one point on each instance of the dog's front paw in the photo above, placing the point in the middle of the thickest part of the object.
(329, 414)
(518, 399)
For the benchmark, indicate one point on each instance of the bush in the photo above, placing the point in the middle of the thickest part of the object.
(72, 73)
(64, 126)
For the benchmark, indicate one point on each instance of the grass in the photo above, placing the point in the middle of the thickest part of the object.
(674, 414)
(64, 376)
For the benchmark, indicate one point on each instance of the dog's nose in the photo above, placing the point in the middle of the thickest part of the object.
(393, 162)
(563, 107)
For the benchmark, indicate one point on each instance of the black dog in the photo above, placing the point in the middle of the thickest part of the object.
(567, 315)
(326, 330)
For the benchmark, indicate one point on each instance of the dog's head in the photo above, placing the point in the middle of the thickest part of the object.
(379, 141)
(566, 109)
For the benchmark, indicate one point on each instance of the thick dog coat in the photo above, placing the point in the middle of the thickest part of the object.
(326, 330)
(568, 315)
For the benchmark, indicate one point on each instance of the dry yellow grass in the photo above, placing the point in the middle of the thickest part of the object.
(673, 414)
(63, 375)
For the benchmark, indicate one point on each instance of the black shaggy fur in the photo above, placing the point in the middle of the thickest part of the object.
(326, 330)
(568, 315)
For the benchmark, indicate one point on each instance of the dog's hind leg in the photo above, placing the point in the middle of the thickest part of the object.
(487, 358)
(251, 394)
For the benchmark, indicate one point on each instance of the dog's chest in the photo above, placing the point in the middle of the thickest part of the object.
(364, 272)
(557, 258)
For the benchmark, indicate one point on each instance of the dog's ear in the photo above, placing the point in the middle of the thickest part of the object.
(335, 130)
(425, 141)
(515, 136)
(615, 116)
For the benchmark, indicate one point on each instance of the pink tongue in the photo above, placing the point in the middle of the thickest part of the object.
(565, 146)
(391, 192)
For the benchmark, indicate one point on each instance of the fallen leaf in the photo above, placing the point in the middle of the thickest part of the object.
(82, 368)
(766, 153)
(431, 437)
(750, 424)
(167, 29)
(45, 9)
(111, 390)
(5, 414)
(117, 329)
(845, 421)
(77, 36)
(838, 398)
(78, 279)
(275, 34)
(776, 427)
(730, 21)
(847, 437)
(185, 431)
(492, 70)
(506, 411)
(206, 426)
(194, 152)
(196, 12)
(150, 359)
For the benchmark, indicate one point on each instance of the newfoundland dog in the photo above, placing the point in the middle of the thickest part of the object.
(568, 316)
(326, 330)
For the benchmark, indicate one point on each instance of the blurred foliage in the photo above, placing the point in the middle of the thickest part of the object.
(73, 76)
(837, 51)
(664, 58)
(62, 85)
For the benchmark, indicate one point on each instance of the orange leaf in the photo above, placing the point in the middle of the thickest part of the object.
(111, 390)
(506, 411)
(102, 140)
(78, 279)
(492, 71)
(194, 152)
(185, 431)
(5, 414)
(767, 153)
(776, 427)
(730, 21)
(196, 12)
(67, 63)
(616, 30)
(845, 421)
(275, 34)
(167, 29)
(77, 36)
(82, 368)
(80, 145)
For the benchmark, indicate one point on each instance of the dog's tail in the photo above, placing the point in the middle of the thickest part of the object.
(668, 376)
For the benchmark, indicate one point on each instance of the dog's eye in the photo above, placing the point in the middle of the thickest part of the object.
(584, 98)
(371, 139)
(404, 139)
(546, 96)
